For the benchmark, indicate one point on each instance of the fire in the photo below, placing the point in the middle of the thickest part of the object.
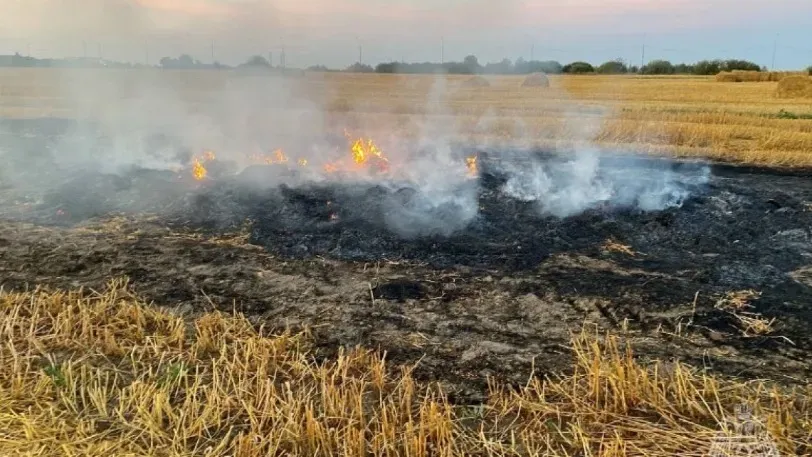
(473, 170)
(364, 150)
(280, 156)
(364, 153)
(199, 171)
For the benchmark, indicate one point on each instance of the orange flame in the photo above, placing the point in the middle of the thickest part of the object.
(364, 150)
(280, 156)
(302, 162)
(471, 163)
(199, 171)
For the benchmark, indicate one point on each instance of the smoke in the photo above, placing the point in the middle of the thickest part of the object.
(568, 188)
(159, 119)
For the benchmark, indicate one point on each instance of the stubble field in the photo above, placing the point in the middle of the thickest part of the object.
(292, 321)
(684, 116)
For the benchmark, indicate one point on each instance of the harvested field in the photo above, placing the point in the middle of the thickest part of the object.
(102, 373)
(536, 80)
(478, 271)
(682, 116)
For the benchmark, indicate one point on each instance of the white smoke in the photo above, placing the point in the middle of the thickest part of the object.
(236, 114)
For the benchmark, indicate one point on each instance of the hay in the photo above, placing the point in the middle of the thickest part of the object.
(795, 86)
(536, 80)
(476, 81)
(747, 76)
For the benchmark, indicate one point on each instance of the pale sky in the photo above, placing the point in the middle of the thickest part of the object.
(330, 31)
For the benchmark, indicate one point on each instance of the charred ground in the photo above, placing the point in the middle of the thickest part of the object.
(496, 297)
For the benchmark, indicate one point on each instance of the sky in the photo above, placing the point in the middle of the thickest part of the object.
(331, 32)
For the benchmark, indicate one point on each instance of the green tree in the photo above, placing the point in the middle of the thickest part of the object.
(579, 68)
(613, 67)
(659, 67)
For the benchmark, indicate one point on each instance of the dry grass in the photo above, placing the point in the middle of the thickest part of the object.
(737, 304)
(681, 116)
(88, 374)
(476, 81)
(740, 76)
(612, 245)
(799, 86)
(536, 80)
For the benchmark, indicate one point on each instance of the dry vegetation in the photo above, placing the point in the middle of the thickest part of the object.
(797, 86)
(683, 116)
(741, 76)
(91, 374)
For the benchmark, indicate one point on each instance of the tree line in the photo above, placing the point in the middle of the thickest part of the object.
(470, 65)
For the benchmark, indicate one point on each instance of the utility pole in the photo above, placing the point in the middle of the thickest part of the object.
(360, 54)
(146, 54)
(775, 48)
(212, 52)
(100, 51)
(442, 50)
(84, 49)
(643, 54)
(532, 51)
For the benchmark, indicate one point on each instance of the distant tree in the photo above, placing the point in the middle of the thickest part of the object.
(683, 69)
(359, 68)
(472, 64)
(257, 61)
(545, 66)
(659, 67)
(504, 67)
(578, 68)
(390, 67)
(809, 70)
(708, 67)
(186, 61)
(634, 69)
(318, 68)
(613, 67)
(745, 65)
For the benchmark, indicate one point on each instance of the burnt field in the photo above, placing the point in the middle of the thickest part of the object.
(475, 277)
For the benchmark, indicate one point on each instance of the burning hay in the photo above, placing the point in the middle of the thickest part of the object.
(476, 81)
(536, 80)
(797, 86)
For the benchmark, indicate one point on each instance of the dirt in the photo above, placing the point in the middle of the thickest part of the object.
(498, 297)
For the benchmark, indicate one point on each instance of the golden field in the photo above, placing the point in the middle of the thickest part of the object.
(101, 373)
(683, 116)
(95, 373)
